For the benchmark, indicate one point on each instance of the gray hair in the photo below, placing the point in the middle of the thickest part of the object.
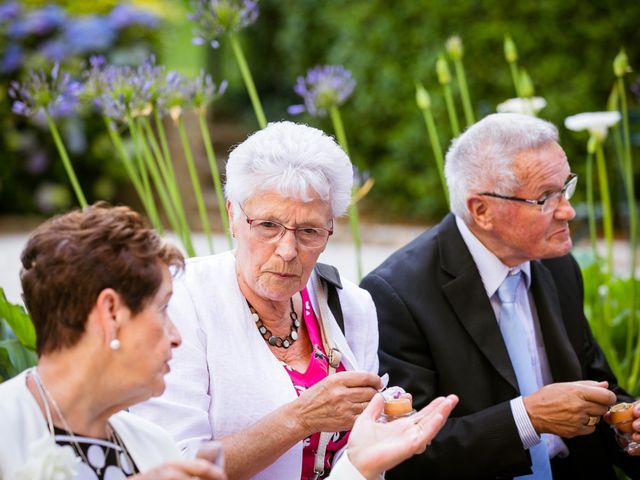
(294, 160)
(482, 157)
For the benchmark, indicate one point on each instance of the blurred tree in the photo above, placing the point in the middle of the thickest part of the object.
(566, 47)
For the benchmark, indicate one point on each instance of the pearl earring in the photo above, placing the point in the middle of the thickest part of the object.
(114, 344)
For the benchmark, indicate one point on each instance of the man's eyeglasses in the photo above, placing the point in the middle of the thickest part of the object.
(550, 201)
(270, 231)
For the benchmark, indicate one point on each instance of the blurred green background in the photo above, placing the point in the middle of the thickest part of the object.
(567, 47)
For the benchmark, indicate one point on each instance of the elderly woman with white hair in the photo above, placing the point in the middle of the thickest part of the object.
(277, 348)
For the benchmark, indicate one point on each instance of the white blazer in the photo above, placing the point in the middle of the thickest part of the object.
(224, 377)
(22, 423)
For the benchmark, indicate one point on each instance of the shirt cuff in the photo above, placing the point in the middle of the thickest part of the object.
(528, 435)
(344, 469)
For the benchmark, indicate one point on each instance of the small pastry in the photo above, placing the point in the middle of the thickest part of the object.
(622, 417)
(397, 403)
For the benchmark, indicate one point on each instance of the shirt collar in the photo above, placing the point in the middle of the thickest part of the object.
(492, 270)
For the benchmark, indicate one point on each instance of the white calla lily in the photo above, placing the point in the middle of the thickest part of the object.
(526, 106)
(596, 123)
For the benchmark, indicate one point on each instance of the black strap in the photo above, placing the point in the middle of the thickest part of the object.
(330, 276)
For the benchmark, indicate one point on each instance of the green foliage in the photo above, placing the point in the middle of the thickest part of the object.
(608, 310)
(17, 339)
(566, 48)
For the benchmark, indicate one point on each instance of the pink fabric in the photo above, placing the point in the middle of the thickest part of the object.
(317, 369)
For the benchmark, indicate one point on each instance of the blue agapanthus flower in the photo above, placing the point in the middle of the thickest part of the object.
(119, 92)
(124, 16)
(89, 33)
(205, 90)
(9, 11)
(215, 18)
(38, 22)
(55, 94)
(324, 86)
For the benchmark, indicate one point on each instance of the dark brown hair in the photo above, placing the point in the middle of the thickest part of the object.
(71, 258)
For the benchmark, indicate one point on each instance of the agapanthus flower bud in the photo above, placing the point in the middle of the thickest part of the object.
(526, 84)
(442, 70)
(423, 99)
(454, 47)
(621, 64)
(510, 50)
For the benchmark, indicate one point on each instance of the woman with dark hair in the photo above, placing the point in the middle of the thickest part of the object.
(96, 283)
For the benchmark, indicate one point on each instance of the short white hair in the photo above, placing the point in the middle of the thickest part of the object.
(482, 157)
(293, 160)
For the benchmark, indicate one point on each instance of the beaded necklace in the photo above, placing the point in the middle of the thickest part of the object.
(278, 342)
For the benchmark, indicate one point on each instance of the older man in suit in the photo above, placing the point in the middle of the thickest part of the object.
(489, 305)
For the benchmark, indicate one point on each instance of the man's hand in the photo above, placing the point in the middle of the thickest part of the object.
(568, 409)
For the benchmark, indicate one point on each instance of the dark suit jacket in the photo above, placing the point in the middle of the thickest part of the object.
(439, 335)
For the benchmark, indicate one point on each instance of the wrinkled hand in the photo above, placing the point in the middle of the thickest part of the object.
(375, 447)
(333, 404)
(564, 408)
(183, 470)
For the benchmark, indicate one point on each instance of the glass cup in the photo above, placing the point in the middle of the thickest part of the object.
(210, 450)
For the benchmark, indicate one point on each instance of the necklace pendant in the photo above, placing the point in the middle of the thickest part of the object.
(255, 317)
(263, 330)
(273, 340)
(286, 344)
(294, 335)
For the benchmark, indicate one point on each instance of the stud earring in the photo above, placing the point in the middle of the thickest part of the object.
(114, 344)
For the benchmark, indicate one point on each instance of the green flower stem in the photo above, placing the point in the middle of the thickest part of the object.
(515, 76)
(66, 162)
(195, 182)
(354, 222)
(163, 142)
(248, 80)
(154, 216)
(607, 216)
(464, 91)
(181, 225)
(116, 139)
(593, 234)
(160, 187)
(628, 176)
(129, 167)
(173, 184)
(451, 110)
(215, 174)
(437, 149)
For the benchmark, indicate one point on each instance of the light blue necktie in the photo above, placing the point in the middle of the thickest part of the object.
(515, 337)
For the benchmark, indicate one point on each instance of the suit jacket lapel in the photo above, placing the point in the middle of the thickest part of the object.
(468, 298)
(563, 361)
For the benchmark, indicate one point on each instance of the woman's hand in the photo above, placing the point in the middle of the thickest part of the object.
(333, 404)
(375, 447)
(184, 470)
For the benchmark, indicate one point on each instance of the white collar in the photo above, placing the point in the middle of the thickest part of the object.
(492, 270)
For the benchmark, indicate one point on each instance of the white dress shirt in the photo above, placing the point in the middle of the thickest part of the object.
(493, 272)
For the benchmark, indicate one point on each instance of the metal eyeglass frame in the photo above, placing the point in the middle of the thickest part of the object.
(284, 228)
(567, 191)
